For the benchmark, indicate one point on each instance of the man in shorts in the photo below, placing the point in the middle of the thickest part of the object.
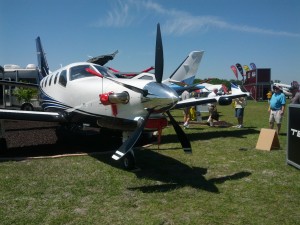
(276, 108)
(239, 104)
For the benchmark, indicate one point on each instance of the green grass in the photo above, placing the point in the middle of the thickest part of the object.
(217, 184)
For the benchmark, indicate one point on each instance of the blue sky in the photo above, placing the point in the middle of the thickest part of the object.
(265, 32)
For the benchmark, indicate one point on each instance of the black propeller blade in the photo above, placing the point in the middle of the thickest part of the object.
(133, 88)
(129, 143)
(159, 57)
(185, 143)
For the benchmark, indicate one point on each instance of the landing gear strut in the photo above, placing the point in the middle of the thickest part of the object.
(128, 159)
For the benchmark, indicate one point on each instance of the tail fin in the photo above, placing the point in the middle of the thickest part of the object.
(187, 70)
(235, 89)
(41, 57)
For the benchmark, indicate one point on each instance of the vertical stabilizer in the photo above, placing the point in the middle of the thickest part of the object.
(235, 89)
(187, 70)
(41, 57)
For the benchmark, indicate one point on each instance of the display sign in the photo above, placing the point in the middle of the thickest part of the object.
(293, 136)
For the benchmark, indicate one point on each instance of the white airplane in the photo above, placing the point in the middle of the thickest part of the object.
(285, 88)
(87, 93)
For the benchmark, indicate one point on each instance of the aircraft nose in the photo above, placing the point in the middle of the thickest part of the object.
(160, 97)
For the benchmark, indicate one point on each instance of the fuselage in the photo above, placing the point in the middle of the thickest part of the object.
(76, 92)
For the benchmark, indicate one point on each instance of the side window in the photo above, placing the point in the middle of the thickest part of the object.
(63, 78)
(50, 80)
(55, 78)
(46, 79)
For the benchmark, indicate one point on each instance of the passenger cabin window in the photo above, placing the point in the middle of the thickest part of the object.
(63, 78)
(50, 80)
(78, 72)
(55, 78)
(46, 79)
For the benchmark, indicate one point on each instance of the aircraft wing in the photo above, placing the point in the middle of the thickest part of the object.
(31, 115)
(103, 59)
(222, 100)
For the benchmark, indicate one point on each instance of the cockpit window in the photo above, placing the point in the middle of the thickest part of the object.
(104, 71)
(78, 72)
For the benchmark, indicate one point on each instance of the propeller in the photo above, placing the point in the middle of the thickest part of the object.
(129, 143)
(159, 56)
(185, 143)
(133, 88)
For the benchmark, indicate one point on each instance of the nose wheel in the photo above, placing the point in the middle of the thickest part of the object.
(129, 161)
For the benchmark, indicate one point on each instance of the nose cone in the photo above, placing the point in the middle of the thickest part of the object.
(160, 97)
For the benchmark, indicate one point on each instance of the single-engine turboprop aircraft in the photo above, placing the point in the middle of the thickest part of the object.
(88, 93)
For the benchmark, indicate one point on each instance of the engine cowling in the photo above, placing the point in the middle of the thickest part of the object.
(224, 101)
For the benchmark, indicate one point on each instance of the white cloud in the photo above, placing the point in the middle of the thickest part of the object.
(118, 16)
(177, 22)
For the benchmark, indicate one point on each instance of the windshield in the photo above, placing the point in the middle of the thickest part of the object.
(104, 71)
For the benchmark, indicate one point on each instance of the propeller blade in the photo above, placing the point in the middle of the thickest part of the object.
(136, 89)
(129, 143)
(133, 88)
(159, 57)
(185, 143)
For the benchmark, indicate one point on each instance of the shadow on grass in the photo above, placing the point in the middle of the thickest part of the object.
(213, 133)
(170, 173)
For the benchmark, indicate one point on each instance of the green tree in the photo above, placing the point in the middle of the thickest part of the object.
(24, 94)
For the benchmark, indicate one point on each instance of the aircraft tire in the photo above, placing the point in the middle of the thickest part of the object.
(129, 161)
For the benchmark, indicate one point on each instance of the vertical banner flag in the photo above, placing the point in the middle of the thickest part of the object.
(246, 68)
(224, 88)
(234, 71)
(253, 66)
(239, 67)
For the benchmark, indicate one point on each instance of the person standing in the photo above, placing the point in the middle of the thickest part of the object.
(240, 104)
(269, 95)
(186, 110)
(212, 107)
(276, 108)
(295, 95)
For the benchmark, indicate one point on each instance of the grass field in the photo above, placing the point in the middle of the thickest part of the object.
(225, 181)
